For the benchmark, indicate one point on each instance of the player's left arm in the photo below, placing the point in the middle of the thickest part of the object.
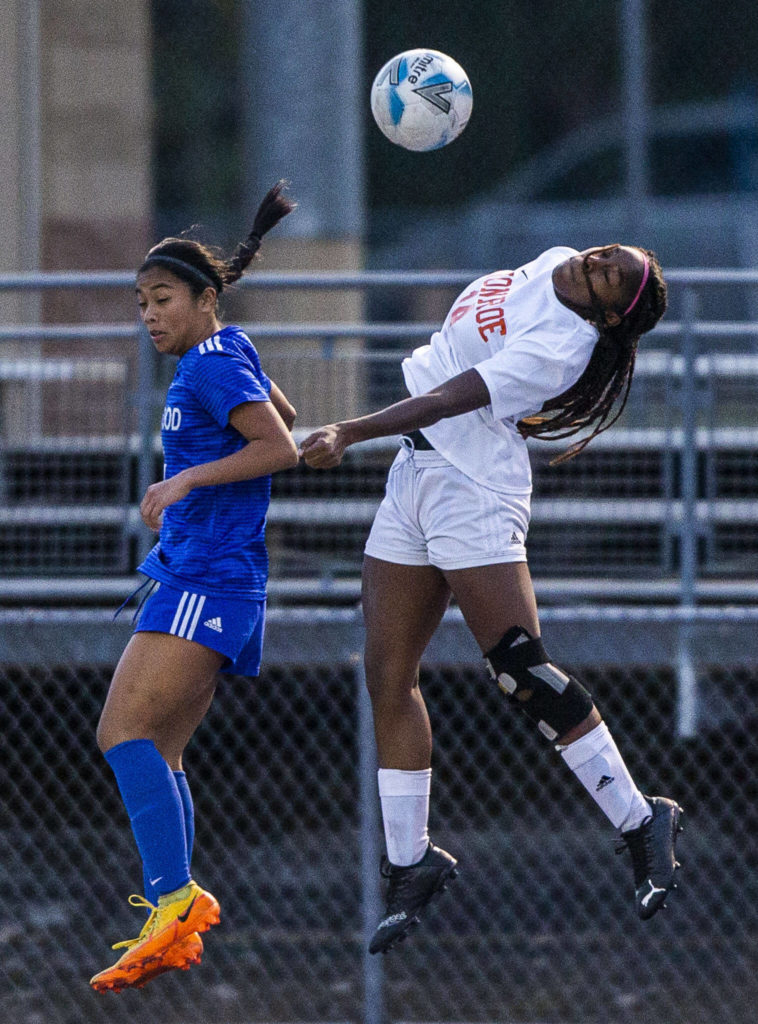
(283, 406)
(270, 448)
(325, 447)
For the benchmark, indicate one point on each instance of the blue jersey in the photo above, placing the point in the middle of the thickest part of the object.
(214, 538)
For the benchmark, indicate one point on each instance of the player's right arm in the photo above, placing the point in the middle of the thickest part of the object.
(270, 448)
(324, 448)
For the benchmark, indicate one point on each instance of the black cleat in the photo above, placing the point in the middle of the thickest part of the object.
(409, 891)
(652, 846)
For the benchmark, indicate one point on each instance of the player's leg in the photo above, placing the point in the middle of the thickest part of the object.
(498, 604)
(159, 693)
(402, 607)
(171, 743)
(161, 689)
(188, 951)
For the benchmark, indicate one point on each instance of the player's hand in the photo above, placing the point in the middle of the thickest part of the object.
(324, 448)
(161, 495)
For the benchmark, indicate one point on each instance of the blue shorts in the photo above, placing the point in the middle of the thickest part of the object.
(230, 626)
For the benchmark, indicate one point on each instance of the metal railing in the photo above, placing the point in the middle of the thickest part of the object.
(685, 376)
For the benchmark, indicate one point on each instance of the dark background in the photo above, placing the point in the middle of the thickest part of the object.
(539, 70)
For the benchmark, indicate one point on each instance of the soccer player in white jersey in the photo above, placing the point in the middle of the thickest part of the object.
(545, 350)
(226, 428)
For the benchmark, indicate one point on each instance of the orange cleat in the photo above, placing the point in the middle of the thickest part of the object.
(169, 940)
(180, 956)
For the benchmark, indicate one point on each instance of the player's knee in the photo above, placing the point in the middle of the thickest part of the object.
(110, 732)
(389, 681)
(550, 697)
(387, 664)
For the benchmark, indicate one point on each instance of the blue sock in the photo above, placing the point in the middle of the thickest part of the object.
(189, 832)
(151, 797)
(189, 812)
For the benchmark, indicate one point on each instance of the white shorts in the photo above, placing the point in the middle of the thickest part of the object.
(432, 514)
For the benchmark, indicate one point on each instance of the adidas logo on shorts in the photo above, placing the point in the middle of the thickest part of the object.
(214, 624)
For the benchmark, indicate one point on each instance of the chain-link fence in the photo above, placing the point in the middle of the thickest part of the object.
(540, 926)
(585, 129)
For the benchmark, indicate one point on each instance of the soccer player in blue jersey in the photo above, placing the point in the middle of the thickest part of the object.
(226, 428)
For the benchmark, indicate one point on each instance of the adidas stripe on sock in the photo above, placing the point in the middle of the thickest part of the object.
(597, 763)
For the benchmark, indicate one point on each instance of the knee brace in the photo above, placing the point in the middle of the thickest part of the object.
(521, 666)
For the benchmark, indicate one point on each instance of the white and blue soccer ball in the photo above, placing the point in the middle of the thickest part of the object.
(421, 99)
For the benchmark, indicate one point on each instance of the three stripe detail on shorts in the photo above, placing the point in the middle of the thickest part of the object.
(187, 615)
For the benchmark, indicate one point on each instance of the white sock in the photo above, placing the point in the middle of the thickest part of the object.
(597, 763)
(405, 810)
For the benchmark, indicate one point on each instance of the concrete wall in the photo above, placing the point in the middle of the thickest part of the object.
(97, 123)
(10, 151)
(94, 134)
(75, 182)
(304, 110)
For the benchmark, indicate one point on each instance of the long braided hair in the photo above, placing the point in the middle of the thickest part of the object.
(590, 402)
(202, 266)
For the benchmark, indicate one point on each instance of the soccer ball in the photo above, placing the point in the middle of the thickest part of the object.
(421, 99)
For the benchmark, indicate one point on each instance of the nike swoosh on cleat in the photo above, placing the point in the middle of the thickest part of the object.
(183, 917)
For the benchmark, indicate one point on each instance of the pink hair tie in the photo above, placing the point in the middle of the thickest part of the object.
(645, 274)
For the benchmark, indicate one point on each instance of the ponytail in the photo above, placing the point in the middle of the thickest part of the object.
(201, 266)
(273, 208)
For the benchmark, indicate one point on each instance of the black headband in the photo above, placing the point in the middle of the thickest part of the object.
(172, 261)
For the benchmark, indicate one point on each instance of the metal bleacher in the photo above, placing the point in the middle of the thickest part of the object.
(664, 506)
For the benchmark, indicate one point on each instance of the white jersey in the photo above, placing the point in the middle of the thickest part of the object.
(527, 346)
